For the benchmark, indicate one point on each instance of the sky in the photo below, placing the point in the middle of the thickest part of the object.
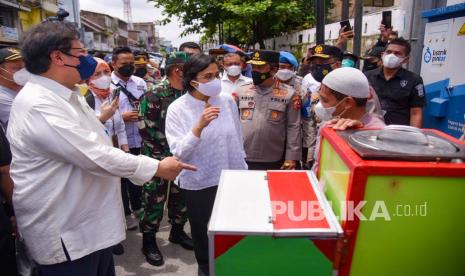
(142, 11)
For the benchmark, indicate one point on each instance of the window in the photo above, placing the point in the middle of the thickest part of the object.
(301, 37)
(378, 3)
(6, 18)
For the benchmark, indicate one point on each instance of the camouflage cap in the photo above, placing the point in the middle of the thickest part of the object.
(177, 57)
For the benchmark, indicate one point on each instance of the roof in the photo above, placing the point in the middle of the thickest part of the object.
(102, 14)
(92, 25)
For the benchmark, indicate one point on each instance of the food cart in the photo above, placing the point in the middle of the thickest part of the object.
(396, 194)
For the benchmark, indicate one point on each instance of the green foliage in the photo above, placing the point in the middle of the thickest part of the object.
(243, 21)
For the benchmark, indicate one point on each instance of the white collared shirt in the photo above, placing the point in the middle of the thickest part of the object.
(229, 87)
(137, 87)
(220, 146)
(115, 125)
(67, 174)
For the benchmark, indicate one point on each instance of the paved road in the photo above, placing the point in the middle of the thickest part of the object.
(178, 261)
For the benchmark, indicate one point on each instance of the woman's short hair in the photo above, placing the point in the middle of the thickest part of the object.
(193, 66)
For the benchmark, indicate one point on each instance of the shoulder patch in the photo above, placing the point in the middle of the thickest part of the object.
(279, 92)
(420, 90)
(245, 89)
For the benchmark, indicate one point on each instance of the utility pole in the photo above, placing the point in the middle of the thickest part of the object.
(320, 21)
(128, 13)
(358, 22)
(345, 16)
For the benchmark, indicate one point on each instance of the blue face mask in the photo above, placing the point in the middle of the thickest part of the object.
(86, 67)
(348, 63)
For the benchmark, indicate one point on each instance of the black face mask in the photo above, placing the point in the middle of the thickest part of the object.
(304, 69)
(258, 78)
(367, 66)
(140, 72)
(320, 71)
(126, 70)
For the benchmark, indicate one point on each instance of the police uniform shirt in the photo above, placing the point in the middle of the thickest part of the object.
(270, 124)
(398, 95)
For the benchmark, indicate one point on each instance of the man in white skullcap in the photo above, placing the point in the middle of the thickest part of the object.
(343, 95)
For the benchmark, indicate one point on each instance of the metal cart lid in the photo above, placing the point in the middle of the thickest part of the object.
(396, 142)
(244, 205)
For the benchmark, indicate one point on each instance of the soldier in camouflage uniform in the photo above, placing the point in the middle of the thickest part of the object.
(152, 113)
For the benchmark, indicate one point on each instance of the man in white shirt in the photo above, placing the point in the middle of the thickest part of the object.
(132, 89)
(65, 169)
(232, 76)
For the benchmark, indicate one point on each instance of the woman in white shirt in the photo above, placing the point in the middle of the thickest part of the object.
(203, 128)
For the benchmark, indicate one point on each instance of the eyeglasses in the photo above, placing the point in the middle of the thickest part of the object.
(81, 50)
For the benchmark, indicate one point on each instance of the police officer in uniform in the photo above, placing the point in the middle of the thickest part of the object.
(323, 59)
(270, 120)
(287, 74)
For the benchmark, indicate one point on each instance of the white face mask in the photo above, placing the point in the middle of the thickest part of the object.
(392, 61)
(21, 77)
(326, 114)
(211, 88)
(233, 70)
(285, 74)
(102, 83)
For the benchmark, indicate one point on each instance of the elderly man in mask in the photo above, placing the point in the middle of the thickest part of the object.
(13, 76)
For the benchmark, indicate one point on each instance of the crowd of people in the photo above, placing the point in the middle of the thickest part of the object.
(86, 167)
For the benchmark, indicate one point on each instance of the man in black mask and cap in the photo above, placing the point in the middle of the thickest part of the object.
(324, 59)
(270, 119)
(140, 63)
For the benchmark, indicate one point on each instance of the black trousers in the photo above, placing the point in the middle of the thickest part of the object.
(7, 244)
(263, 166)
(130, 192)
(99, 263)
(199, 208)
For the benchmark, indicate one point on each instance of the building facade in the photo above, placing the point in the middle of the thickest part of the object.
(152, 40)
(103, 32)
(16, 17)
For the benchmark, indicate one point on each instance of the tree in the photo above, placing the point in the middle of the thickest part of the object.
(245, 21)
